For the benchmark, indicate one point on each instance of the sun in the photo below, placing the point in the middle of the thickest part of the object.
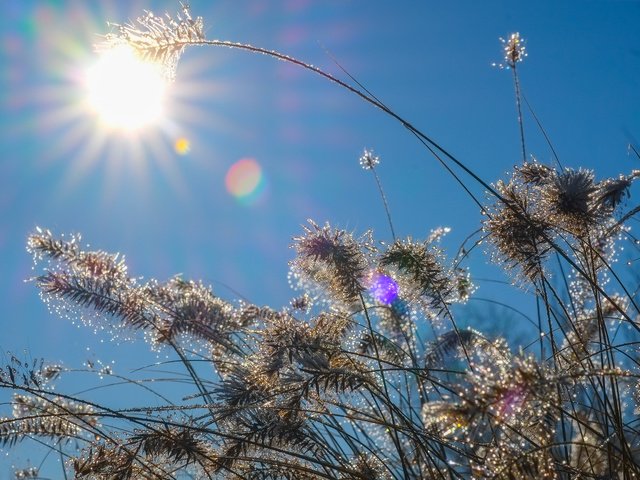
(107, 116)
(124, 92)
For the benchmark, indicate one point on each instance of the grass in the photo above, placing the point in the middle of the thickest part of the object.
(367, 374)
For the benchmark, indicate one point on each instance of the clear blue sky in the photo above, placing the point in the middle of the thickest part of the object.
(430, 61)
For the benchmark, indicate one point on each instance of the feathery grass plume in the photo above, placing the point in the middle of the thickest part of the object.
(191, 309)
(456, 343)
(242, 386)
(338, 373)
(583, 207)
(311, 356)
(567, 197)
(395, 321)
(540, 204)
(611, 192)
(281, 343)
(302, 303)
(514, 49)
(95, 286)
(26, 473)
(53, 417)
(463, 286)
(578, 202)
(533, 173)
(156, 39)
(332, 259)
(79, 414)
(389, 349)
(419, 270)
(177, 445)
(503, 413)
(14, 430)
(47, 417)
(330, 329)
(102, 462)
(285, 470)
(369, 160)
(60, 254)
(79, 296)
(154, 453)
(78, 281)
(253, 432)
(29, 374)
(367, 466)
(518, 230)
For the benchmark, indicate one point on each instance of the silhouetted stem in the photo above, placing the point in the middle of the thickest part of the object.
(516, 85)
(384, 200)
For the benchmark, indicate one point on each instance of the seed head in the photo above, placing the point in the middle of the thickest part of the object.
(158, 39)
(514, 51)
(612, 192)
(533, 173)
(418, 269)
(332, 259)
(568, 198)
(368, 160)
(518, 231)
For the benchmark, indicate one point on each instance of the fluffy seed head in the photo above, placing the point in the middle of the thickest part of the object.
(612, 192)
(419, 271)
(514, 49)
(333, 259)
(158, 39)
(533, 173)
(518, 232)
(568, 197)
(368, 160)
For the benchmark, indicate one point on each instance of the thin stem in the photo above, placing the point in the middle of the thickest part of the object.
(544, 132)
(394, 435)
(516, 85)
(384, 200)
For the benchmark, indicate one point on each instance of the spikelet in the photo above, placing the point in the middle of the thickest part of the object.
(54, 417)
(369, 160)
(26, 473)
(418, 268)
(176, 445)
(191, 309)
(332, 259)
(518, 231)
(568, 199)
(514, 51)
(156, 39)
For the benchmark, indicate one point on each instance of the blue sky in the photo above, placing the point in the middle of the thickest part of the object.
(171, 213)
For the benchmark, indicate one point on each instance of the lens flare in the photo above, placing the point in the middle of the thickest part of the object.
(245, 181)
(125, 92)
(182, 146)
(383, 288)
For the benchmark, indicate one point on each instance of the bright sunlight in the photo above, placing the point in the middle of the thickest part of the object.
(125, 92)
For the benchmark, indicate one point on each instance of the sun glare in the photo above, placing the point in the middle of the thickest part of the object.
(125, 92)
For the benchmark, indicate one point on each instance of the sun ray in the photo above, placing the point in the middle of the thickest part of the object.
(124, 91)
(74, 107)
